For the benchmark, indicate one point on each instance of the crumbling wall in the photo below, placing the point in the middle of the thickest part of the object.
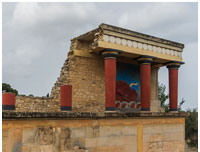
(86, 75)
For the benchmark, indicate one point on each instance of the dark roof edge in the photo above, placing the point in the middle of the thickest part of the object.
(84, 115)
(140, 35)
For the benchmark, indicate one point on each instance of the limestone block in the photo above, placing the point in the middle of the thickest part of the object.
(30, 148)
(130, 148)
(153, 147)
(92, 131)
(162, 128)
(175, 136)
(118, 140)
(117, 130)
(91, 142)
(5, 133)
(66, 142)
(111, 149)
(45, 148)
(78, 142)
(28, 135)
(77, 132)
(45, 136)
(173, 146)
(155, 137)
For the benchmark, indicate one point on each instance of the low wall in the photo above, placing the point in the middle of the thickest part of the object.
(36, 104)
(107, 133)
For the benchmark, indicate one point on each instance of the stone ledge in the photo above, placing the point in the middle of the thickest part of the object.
(8, 115)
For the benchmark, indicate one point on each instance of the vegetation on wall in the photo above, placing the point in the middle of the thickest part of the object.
(191, 128)
(191, 121)
(7, 88)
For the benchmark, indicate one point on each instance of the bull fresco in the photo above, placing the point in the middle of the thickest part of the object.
(127, 86)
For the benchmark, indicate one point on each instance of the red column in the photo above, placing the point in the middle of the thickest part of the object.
(110, 83)
(110, 56)
(145, 86)
(66, 98)
(8, 101)
(173, 88)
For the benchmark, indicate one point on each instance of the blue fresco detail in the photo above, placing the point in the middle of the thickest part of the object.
(131, 75)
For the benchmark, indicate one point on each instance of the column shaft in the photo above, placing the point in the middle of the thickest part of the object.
(8, 101)
(145, 86)
(110, 83)
(66, 98)
(173, 89)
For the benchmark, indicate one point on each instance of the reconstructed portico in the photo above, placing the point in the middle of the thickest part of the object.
(120, 45)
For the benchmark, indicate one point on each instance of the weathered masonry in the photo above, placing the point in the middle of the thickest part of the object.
(105, 99)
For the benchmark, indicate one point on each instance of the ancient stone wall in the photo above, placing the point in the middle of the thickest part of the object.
(36, 104)
(88, 84)
(92, 135)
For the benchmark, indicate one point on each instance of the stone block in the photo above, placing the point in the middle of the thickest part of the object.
(111, 149)
(77, 132)
(45, 136)
(91, 142)
(118, 140)
(106, 131)
(92, 131)
(78, 142)
(30, 148)
(175, 136)
(5, 132)
(130, 148)
(163, 128)
(155, 137)
(174, 146)
(45, 148)
(28, 135)
(65, 133)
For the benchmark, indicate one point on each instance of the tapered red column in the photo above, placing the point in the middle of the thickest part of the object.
(110, 83)
(173, 86)
(145, 82)
(110, 56)
(8, 101)
(66, 98)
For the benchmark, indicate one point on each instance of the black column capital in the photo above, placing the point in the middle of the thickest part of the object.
(110, 53)
(145, 59)
(174, 64)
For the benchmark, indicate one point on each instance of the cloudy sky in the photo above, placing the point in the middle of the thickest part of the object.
(36, 38)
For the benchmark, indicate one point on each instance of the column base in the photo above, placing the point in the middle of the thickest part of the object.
(173, 109)
(65, 108)
(145, 109)
(8, 107)
(110, 108)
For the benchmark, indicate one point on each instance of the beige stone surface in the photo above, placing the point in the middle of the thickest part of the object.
(92, 136)
(163, 137)
(29, 135)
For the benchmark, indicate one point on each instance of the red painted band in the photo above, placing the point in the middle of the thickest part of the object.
(110, 81)
(66, 95)
(145, 85)
(173, 88)
(8, 98)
